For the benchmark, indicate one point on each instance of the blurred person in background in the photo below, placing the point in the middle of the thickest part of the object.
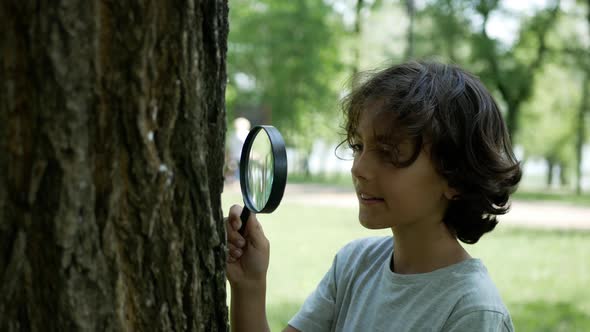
(235, 143)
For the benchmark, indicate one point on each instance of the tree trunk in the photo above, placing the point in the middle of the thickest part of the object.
(584, 109)
(550, 169)
(516, 96)
(581, 128)
(112, 133)
(411, 12)
(512, 114)
(357, 36)
(563, 181)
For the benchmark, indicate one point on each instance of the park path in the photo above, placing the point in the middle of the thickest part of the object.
(539, 214)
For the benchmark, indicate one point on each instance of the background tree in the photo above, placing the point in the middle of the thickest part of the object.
(111, 128)
(411, 12)
(512, 71)
(285, 68)
(554, 116)
(550, 119)
(357, 35)
(283, 59)
(444, 30)
(299, 93)
(584, 109)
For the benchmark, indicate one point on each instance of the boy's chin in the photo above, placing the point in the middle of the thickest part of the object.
(368, 224)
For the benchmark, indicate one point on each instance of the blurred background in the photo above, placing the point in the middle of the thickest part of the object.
(290, 62)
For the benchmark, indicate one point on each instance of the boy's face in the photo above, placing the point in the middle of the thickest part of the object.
(390, 196)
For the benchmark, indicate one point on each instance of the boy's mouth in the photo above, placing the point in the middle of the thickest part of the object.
(366, 198)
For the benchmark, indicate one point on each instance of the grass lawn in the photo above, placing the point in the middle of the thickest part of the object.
(543, 275)
(567, 197)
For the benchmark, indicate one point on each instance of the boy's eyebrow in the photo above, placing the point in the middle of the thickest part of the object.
(357, 134)
(381, 137)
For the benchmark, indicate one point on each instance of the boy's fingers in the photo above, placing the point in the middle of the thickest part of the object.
(236, 224)
(235, 252)
(234, 212)
(231, 247)
(234, 221)
(255, 232)
(232, 224)
(236, 239)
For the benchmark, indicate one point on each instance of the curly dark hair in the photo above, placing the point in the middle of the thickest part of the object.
(450, 110)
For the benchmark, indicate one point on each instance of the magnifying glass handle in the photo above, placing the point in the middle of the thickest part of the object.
(244, 217)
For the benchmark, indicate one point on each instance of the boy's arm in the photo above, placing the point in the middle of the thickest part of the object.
(247, 264)
(248, 309)
(254, 317)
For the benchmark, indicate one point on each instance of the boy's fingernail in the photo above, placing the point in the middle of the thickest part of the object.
(241, 242)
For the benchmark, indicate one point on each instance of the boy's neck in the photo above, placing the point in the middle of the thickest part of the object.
(425, 249)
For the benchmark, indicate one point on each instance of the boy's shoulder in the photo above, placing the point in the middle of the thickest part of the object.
(373, 245)
(362, 254)
(469, 280)
(480, 302)
(465, 288)
(481, 294)
(477, 296)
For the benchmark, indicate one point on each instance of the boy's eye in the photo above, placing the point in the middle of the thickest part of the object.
(390, 154)
(355, 147)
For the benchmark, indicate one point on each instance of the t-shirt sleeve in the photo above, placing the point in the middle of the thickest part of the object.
(481, 320)
(317, 312)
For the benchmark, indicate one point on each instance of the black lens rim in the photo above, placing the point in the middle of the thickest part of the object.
(279, 168)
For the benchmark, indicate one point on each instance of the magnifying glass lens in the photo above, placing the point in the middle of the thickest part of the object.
(263, 171)
(260, 170)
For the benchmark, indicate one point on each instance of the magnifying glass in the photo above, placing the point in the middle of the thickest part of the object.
(263, 171)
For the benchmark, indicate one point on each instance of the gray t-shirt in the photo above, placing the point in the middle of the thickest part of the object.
(361, 293)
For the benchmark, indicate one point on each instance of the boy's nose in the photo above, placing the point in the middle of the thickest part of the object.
(361, 168)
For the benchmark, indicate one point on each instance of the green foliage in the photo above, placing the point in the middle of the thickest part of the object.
(485, 7)
(511, 69)
(382, 38)
(455, 30)
(443, 30)
(549, 118)
(569, 198)
(296, 56)
(289, 50)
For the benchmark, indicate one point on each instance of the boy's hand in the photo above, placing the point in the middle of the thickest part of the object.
(247, 261)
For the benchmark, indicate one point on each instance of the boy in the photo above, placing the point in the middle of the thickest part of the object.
(432, 162)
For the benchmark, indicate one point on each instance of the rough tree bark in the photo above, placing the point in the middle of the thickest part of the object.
(112, 130)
